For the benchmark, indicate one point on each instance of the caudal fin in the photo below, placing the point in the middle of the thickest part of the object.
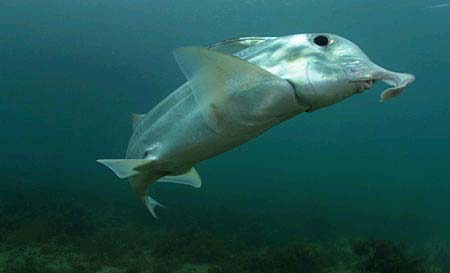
(151, 204)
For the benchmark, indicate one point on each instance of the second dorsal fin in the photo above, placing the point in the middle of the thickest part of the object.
(136, 119)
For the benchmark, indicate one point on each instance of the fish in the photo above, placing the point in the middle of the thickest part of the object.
(236, 90)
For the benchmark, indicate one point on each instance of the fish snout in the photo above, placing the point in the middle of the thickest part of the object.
(364, 74)
(397, 81)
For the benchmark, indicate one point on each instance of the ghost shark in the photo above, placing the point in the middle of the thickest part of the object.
(236, 90)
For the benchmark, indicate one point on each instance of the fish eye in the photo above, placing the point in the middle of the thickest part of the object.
(321, 40)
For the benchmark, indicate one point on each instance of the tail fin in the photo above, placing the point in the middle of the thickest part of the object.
(151, 204)
(140, 184)
(140, 178)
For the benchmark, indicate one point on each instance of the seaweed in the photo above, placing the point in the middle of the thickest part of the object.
(13, 209)
(72, 220)
(122, 247)
(438, 253)
(33, 260)
(292, 257)
(380, 256)
(194, 246)
(22, 264)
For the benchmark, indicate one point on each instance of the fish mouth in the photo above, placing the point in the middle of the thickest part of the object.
(364, 85)
(365, 73)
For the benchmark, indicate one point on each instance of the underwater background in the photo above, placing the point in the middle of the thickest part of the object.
(357, 187)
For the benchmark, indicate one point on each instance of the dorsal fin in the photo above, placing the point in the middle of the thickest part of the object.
(136, 119)
(234, 45)
(233, 92)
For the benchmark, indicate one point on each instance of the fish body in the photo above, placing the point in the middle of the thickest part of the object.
(236, 90)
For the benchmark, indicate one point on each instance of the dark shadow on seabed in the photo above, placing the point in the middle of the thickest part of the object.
(44, 231)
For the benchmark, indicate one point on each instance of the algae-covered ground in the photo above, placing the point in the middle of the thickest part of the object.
(59, 232)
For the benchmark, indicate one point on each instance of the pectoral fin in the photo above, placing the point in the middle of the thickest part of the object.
(124, 168)
(191, 178)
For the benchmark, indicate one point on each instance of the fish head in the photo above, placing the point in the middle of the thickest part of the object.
(334, 68)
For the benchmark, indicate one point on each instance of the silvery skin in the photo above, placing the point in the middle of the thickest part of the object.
(236, 90)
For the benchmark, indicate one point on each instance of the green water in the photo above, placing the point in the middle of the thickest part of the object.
(356, 187)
